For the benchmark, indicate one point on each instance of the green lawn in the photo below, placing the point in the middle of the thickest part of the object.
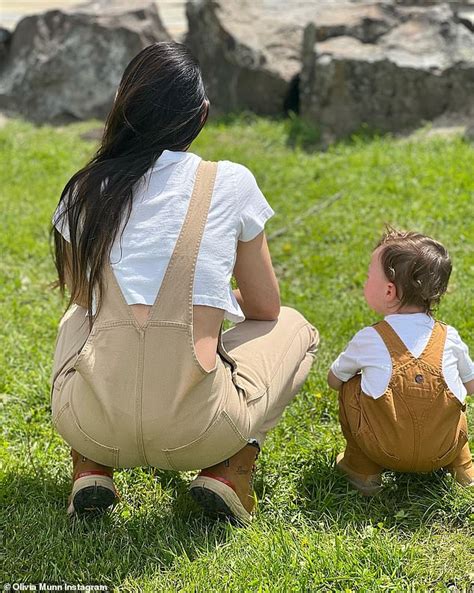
(312, 532)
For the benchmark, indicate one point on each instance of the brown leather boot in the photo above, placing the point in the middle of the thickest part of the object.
(366, 485)
(226, 489)
(463, 474)
(93, 489)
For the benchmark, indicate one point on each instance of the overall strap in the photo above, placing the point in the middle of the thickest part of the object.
(399, 353)
(434, 350)
(174, 300)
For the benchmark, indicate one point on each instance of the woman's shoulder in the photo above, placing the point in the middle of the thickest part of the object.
(228, 170)
(239, 180)
(241, 175)
(235, 168)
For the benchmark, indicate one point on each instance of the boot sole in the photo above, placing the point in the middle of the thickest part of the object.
(219, 500)
(92, 496)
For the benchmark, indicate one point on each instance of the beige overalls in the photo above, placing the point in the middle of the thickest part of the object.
(417, 425)
(126, 395)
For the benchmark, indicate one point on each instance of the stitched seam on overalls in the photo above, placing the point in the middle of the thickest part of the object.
(428, 409)
(439, 373)
(87, 437)
(233, 425)
(207, 199)
(83, 434)
(207, 433)
(182, 234)
(421, 363)
(429, 345)
(157, 323)
(61, 412)
(139, 396)
(205, 372)
(418, 419)
(111, 324)
(221, 416)
(199, 366)
(188, 324)
(398, 369)
(277, 366)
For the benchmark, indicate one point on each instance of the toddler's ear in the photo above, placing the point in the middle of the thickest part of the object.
(391, 295)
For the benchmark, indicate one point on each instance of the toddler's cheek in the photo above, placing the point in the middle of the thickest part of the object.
(366, 293)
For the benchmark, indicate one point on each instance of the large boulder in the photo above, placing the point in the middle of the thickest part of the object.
(65, 65)
(250, 52)
(5, 39)
(422, 67)
(365, 22)
(247, 55)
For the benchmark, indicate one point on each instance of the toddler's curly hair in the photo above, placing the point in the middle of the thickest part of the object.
(418, 265)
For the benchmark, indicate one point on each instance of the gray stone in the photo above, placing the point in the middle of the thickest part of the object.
(5, 39)
(421, 68)
(248, 56)
(365, 22)
(469, 132)
(65, 65)
(250, 51)
(466, 17)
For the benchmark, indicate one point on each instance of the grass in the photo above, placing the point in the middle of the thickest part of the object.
(312, 532)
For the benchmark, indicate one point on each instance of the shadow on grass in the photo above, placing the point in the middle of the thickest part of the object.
(144, 532)
(407, 501)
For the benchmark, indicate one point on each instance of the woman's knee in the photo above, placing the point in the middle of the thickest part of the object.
(293, 318)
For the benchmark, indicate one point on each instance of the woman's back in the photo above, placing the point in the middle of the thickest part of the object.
(140, 254)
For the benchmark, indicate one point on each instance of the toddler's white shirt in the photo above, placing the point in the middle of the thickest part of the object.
(238, 212)
(366, 352)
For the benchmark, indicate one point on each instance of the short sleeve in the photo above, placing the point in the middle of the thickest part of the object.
(464, 362)
(255, 210)
(348, 363)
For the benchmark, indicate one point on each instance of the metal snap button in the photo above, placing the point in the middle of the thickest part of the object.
(419, 378)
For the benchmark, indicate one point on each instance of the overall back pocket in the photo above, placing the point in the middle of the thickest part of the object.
(220, 441)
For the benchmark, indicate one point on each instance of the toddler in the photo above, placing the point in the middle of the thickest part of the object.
(403, 381)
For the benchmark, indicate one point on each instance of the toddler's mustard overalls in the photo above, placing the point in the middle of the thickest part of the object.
(126, 395)
(417, 425)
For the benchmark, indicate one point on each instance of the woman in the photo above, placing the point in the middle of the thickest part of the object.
(143, 374)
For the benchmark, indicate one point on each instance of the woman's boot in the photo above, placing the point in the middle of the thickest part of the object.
(93, 489)
(226, 489)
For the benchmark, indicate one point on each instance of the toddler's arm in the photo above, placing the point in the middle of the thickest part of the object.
(333, 381)
(469, 387)
(346, 365)
(465, 364)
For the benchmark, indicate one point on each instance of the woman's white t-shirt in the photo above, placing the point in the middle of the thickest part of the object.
(366, 352)
(238, 212)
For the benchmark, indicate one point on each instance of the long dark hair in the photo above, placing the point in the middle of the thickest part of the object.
(160, 104)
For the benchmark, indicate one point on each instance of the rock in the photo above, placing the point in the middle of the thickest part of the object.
(5, 39)
(429, 3)
(65, 65)
(469, 132)
(250, 52)
(466, 17)
(365, 22)
(248, 57)
(419, 69)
